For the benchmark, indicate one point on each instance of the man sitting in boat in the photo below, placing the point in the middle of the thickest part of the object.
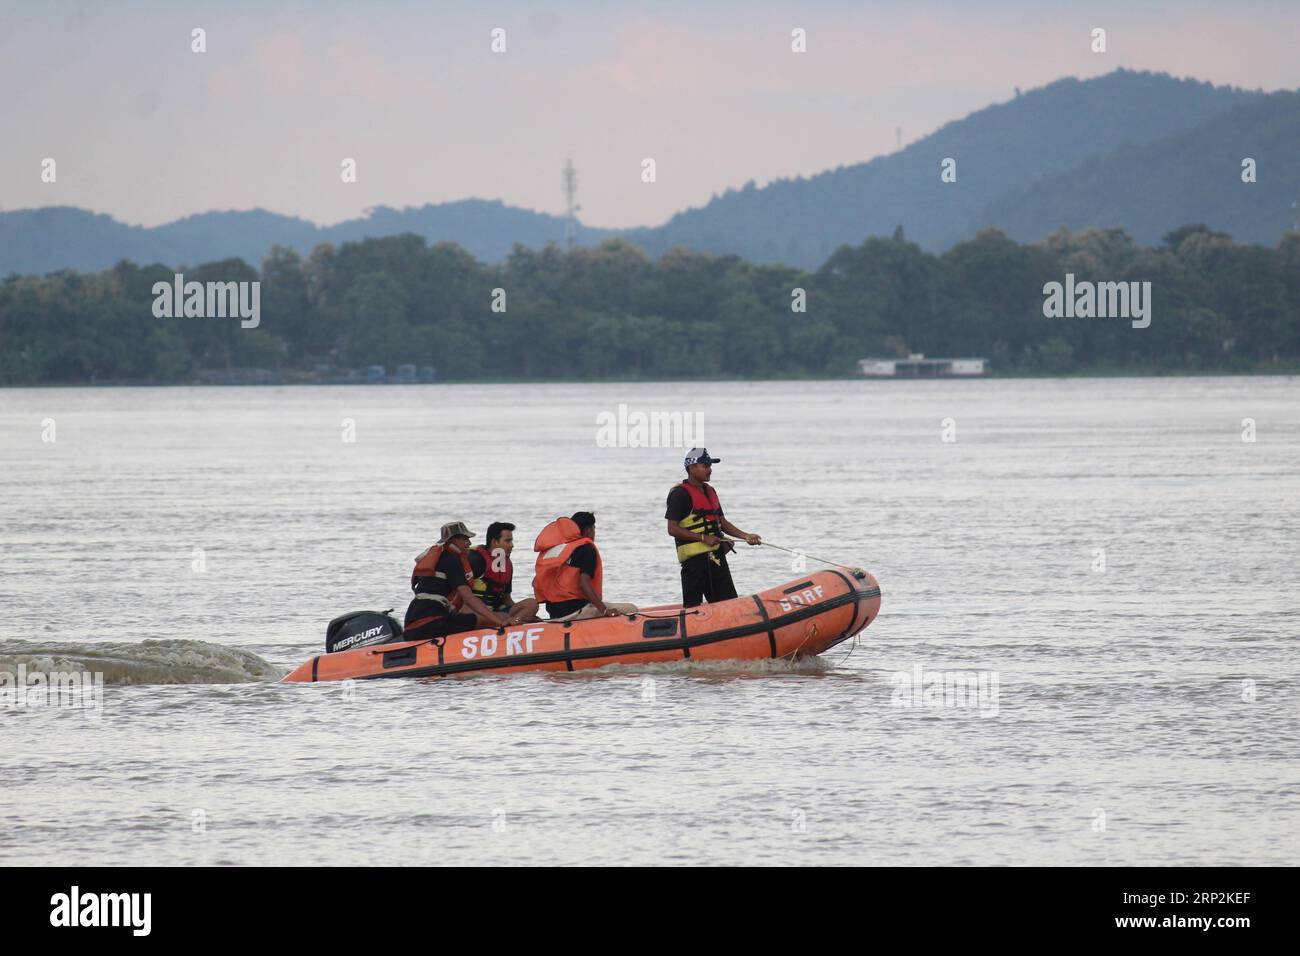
(443, 585)
(696, 522)
(494, 576)
(569, 571)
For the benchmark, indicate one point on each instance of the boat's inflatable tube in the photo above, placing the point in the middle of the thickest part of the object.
(799, 619)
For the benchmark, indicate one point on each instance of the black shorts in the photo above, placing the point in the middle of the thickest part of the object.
(420, 624)
(556, 609)
(703, 580)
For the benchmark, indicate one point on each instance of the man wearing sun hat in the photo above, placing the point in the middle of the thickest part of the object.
(443, 580)
(696, 522)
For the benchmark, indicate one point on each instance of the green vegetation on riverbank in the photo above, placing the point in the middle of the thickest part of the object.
(612, 313)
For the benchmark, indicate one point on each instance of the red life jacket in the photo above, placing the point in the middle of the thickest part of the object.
(427, 579)
(704, 500)
(494, 585)
(556, 580)
(704, 518)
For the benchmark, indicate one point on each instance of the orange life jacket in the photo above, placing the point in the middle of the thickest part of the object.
(427, 579)
(556, 580)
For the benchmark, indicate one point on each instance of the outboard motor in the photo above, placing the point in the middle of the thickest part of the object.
(361, 629)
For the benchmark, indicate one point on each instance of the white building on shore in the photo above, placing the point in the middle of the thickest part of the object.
(917, 365)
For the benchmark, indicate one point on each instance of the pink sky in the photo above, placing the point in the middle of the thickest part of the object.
(145, 130)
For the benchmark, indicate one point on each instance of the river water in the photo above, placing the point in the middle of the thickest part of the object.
(1109, 559)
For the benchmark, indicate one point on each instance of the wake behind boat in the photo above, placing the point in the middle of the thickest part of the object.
(801, 618)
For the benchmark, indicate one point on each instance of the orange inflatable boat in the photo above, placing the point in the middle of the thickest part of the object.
(798, 619)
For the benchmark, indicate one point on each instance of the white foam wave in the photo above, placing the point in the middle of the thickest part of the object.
(146, 662)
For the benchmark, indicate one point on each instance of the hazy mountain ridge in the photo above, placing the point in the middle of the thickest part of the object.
(1000, 150)
(1075, 151)
(63, 237)
(1156, 187)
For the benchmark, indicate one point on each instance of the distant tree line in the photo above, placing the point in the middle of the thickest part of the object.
(612, 312)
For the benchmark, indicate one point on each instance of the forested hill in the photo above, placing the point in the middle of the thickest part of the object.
(1058, 130)
(1107, 151)
(1191, 176)
(46, 240)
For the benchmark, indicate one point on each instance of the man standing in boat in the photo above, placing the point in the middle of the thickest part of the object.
(696, 522)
